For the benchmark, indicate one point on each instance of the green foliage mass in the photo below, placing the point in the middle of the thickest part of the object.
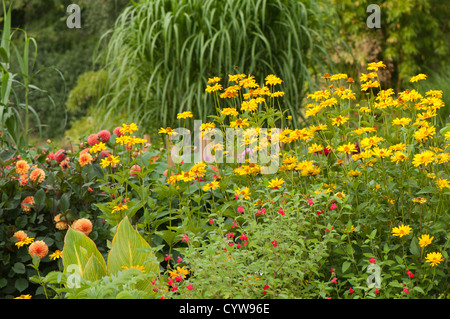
(413, 37)
(63, 54)
(63, 193)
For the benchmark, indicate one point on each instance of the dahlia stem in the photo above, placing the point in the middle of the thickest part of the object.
(41, 283)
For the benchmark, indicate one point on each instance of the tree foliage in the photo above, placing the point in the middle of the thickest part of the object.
(413, 37)
(63, 54)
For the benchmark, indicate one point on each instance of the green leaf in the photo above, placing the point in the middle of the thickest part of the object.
(19, 268)
(78, 250)
(129, 249)
(399, 259)
(427, 189)
(21, 221)
(372, 234)
(417, 288)
(168, 236)
(64, 202)
(414, 246)
(21, 284)
(6, 156)
(124, 295)
(39, 199)
(345, 266)
(3, 56)
(94, 267)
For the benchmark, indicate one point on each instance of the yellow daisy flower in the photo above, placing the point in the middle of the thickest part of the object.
(434, 258)
(276, 183)
(425, 240)
(401, 231)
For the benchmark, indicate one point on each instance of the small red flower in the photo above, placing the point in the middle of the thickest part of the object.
(320, 212)
(179, 260)
(240, 209)
(310, 201)
(281, 212)
(189, 287)
(185, 238)
(372, 260)
(274, 243)
(334, 280)
(167, 257)
(351, 290)
(333, 206)
(410, 274)
(243, 237)
(377, 291)
(261, 212)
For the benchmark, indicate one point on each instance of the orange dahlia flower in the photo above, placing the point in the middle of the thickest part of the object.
(85, 159)
(60, 224)
(26, 203)
(83, 225)
(38, 248)
(23, 179)
(37, 175)
(22, 167)
(20, 235)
